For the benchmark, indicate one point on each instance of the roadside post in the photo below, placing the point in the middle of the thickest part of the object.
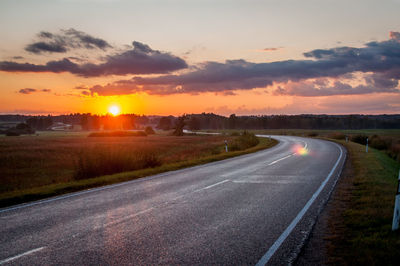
(366, 147)
(226, 146)
(396, 213)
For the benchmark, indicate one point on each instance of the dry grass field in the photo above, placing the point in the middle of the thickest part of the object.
(32, 161)
(53, 163)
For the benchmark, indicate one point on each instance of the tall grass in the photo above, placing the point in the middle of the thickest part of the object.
(33, 161)
(336, 135)
(105, 161)
(359, 138)
(389, 144)
(244, 141)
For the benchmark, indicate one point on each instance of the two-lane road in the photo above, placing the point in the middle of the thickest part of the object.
(255, 208)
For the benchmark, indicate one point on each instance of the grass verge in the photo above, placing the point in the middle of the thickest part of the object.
(25, 195)
(360, 217)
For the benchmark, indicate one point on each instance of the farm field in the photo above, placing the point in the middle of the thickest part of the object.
(48, 163)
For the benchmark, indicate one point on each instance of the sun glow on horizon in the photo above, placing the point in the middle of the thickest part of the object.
(114, 110)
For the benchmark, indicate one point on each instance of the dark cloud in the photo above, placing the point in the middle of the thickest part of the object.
(380, 58)
(110, 90)
(45, 34)
(377, 62)
(77, 59)
(30, 90)
(83, 40)
(394, 35)
(17, 57)
(311, 89)
(51, 47)
(141, 59)
(27, 91)
(64, 41)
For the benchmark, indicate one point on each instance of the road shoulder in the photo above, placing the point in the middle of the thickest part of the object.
(328, 228)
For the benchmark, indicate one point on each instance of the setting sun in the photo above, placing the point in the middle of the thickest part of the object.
(114, 110)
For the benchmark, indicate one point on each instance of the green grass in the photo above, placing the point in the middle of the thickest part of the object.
(362, 232)
(44, 166)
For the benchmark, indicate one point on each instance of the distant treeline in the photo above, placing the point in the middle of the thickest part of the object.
(211, 121)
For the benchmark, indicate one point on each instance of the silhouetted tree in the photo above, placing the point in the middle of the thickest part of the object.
(179, 125)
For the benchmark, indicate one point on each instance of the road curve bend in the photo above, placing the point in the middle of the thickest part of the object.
(253, 209)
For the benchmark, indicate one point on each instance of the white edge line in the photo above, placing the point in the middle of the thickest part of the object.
(21, 255)
(267, 256)
(274, 162)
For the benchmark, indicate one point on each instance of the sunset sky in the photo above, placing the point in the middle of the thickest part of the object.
(190, 56)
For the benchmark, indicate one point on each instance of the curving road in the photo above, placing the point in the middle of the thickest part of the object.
(253, 209)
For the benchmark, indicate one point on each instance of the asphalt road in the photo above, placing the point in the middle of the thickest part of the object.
(257, 208)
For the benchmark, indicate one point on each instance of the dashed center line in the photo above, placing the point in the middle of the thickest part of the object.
(125, 218)
(274, 162)
(290, 155)
(216, 184)
(21, 255)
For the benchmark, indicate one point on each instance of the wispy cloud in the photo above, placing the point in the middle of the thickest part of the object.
(270, 49)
